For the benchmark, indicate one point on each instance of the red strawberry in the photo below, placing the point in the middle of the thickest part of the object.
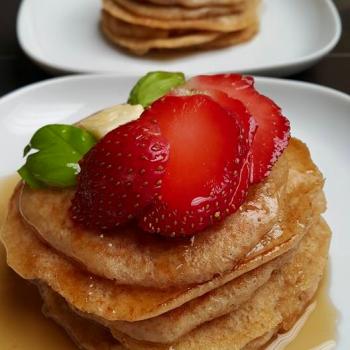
(273, 128)
(207, 174)
(120, 175)
(236, 107)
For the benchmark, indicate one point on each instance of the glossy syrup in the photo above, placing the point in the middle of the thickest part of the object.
(320, 329)
(316, 328)
(23, 327)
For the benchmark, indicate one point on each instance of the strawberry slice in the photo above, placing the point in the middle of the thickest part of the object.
(273, 131)
(207, 173)
(120, 175)
(236, 107)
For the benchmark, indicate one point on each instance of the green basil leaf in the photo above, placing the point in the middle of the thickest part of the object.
(59, 149)
(66, 136)
(154, 85)
(54, 167)
(29, 178)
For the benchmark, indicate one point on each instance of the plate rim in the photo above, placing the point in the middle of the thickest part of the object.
(302, 61)
(85, 77)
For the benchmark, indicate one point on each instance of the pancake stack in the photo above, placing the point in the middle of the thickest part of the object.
(235, 285)
(143, 25)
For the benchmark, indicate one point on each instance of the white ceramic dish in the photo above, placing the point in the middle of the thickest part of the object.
(318, 115)
(64, 36)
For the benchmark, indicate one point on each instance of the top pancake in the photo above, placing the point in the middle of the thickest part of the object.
(177, 12)
(198, 3)
(33, 259)
(222, 23)
(133, 257)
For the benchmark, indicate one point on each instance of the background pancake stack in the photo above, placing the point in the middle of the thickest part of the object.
(233, 286)
(144, 25)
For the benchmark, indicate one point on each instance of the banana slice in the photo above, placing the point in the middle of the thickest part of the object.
(101, 123)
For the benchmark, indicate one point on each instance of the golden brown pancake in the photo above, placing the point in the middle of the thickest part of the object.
(33, 259)
(234, 38)
(141, 26)
(141, 39)
(263, 291)
(131, 256)
(115, 27)
(223, 23)
(177, 12)
(198, 3)
(86, 334)
(142, 45)
(172, 325)
(274, 308)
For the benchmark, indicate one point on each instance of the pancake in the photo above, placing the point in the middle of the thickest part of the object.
(197, 3)
(131, 256)
(115, 27)
(140, 26)
(33, 259)
(140, 39)
(141, 46)
(273, 309)
(177, 12)
(224, 23)
(233, 38)
(169, 327)
(85, 334)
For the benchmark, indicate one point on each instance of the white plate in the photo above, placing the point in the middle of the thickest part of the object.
(318, 115)
(64, 36)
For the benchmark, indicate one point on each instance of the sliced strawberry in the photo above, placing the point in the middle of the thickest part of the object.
(273, 131)
(120, 175)
(236, 107)
(207, 174)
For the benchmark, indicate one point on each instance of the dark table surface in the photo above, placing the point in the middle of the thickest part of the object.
(17, 70)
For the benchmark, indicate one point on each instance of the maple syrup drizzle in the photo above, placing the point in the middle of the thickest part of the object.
(320, 329)
(316, 328)
(22, 325)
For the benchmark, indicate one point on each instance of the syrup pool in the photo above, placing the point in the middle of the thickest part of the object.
(23, 327)
(316, 329)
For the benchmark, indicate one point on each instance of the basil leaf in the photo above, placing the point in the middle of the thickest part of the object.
(154, 85)
(54, 167)
(59, 149)
(66, 136)
(29, 178)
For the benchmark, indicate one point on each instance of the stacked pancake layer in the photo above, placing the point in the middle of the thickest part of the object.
(143, 25)
(234, 286)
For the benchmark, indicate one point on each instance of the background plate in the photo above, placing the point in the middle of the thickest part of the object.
(64, 36)
(319, 116)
